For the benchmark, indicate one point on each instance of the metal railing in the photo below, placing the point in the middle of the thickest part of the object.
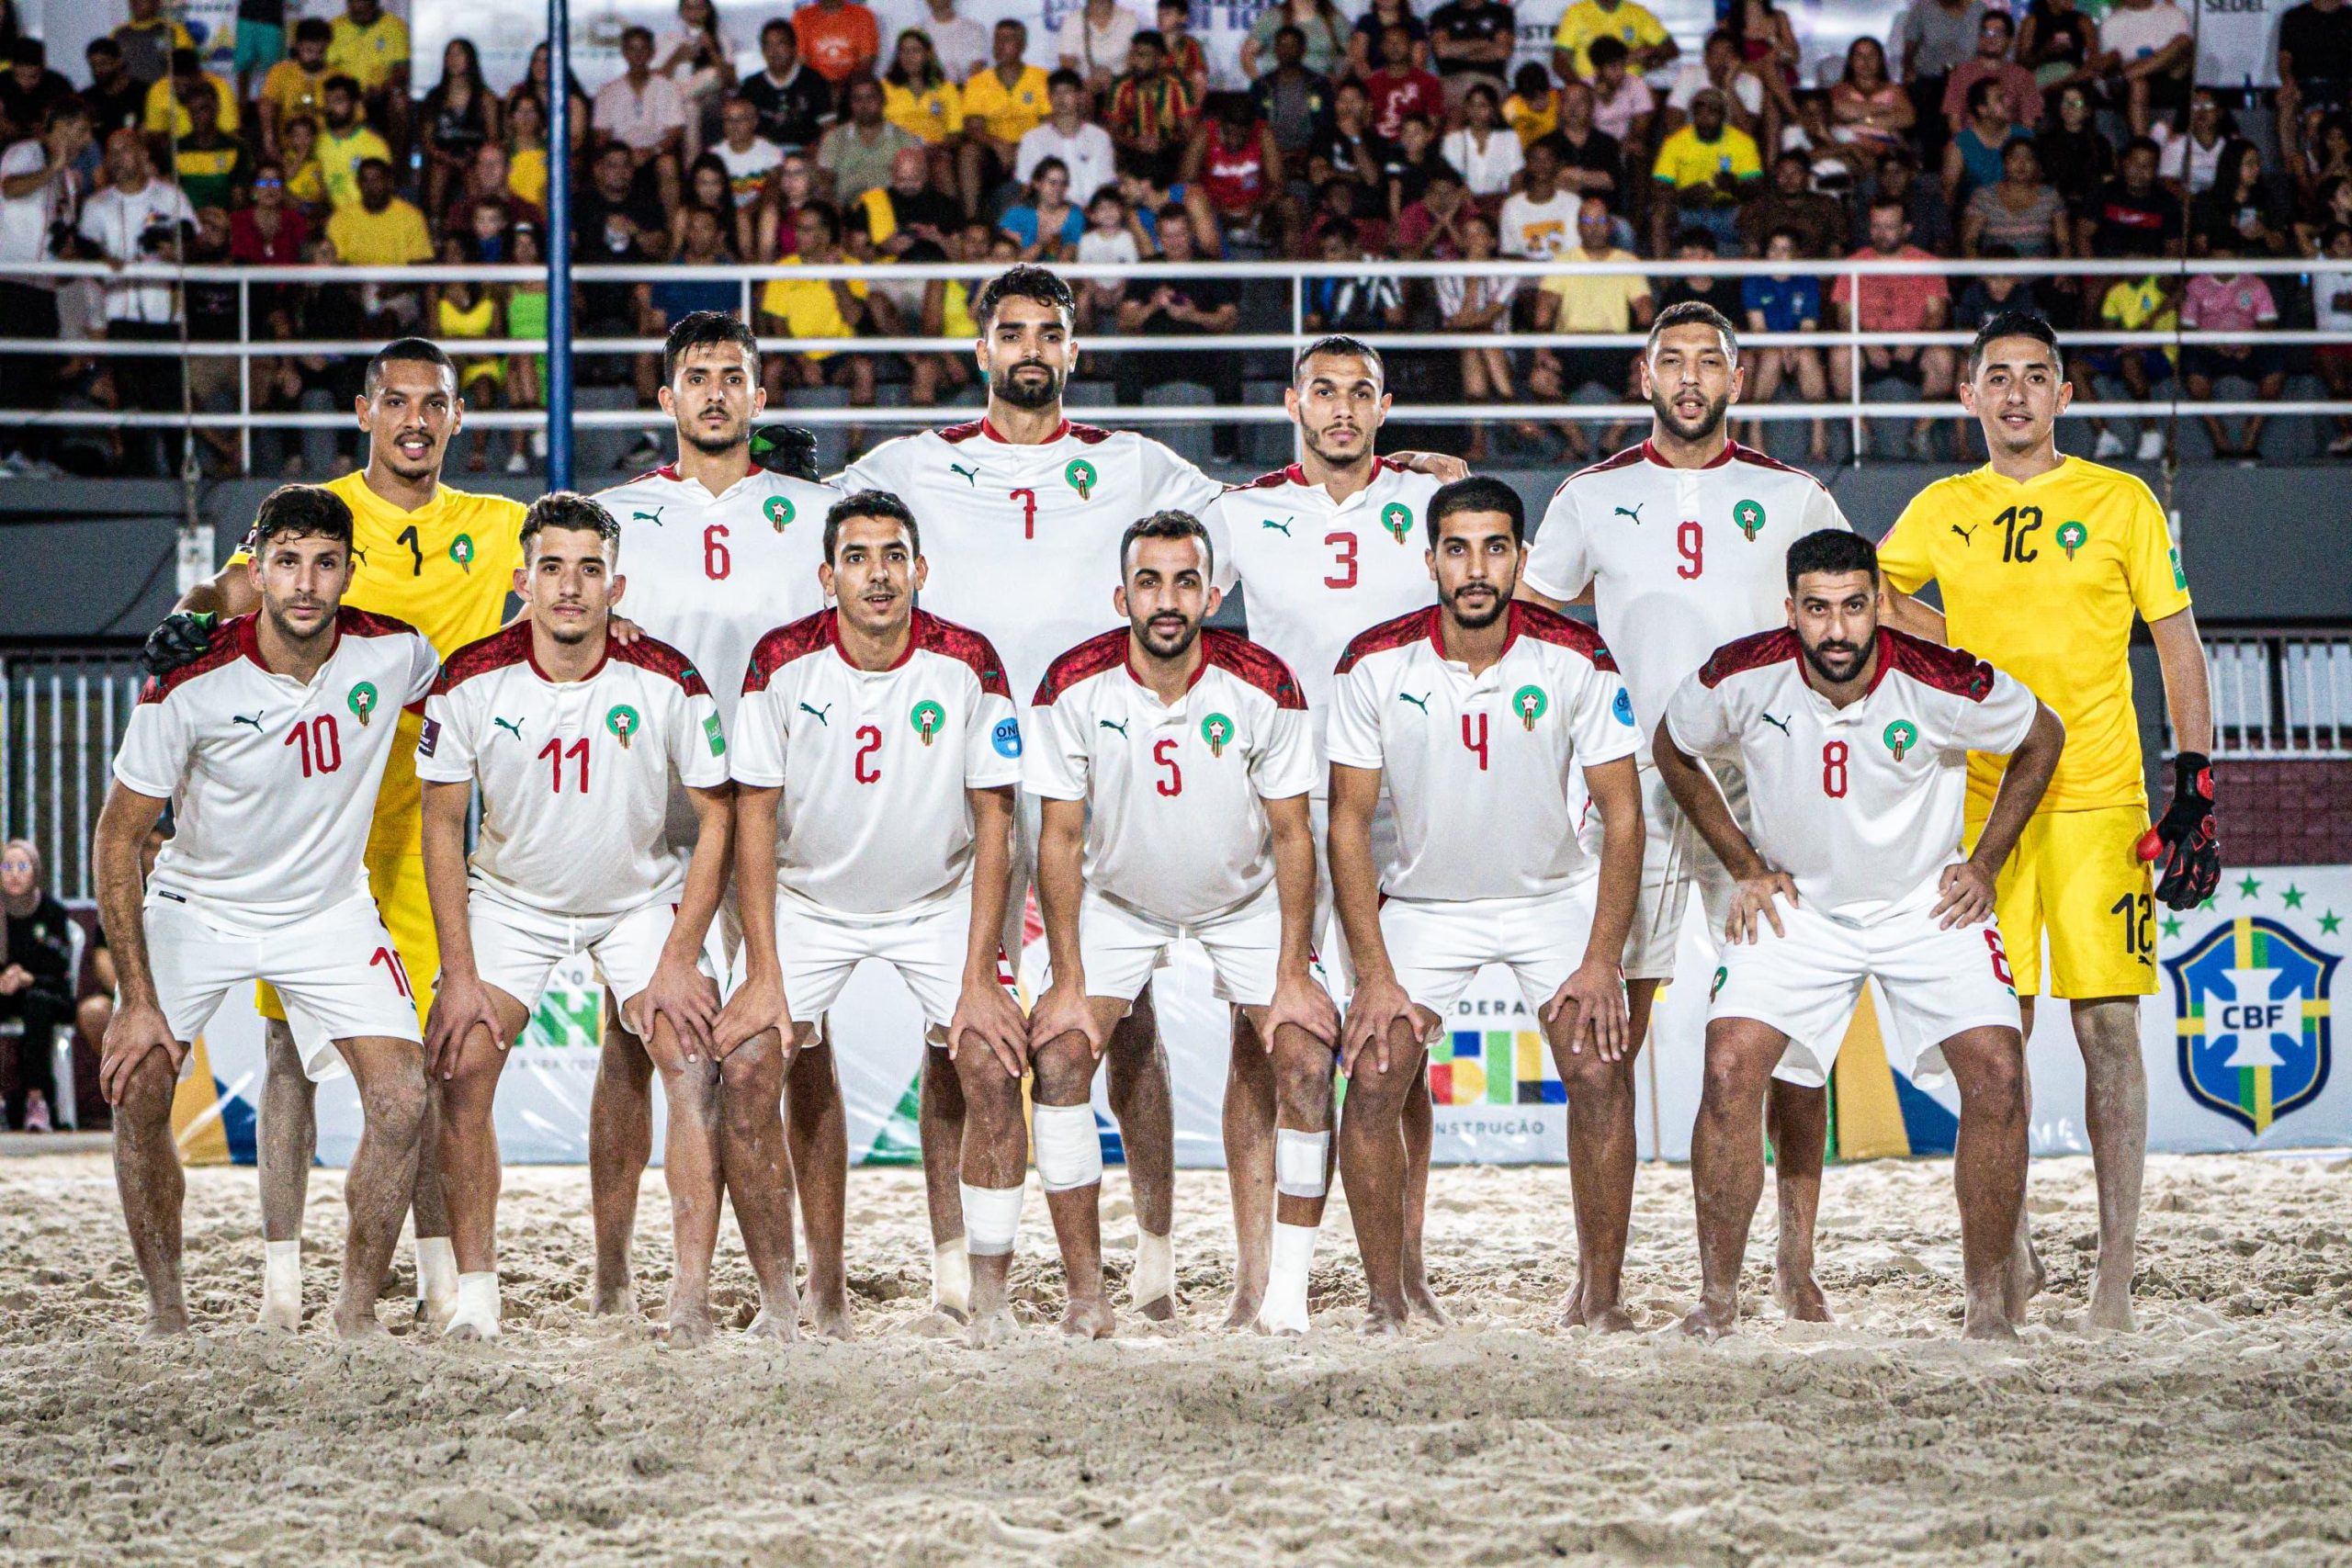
(1299, 276)
(2280, 695)
(62, 716)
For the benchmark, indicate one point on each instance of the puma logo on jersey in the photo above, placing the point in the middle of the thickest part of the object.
(653, 516)
(818, 714)
(255, 721)
(1282, 527)
(971, 476)
(1780, 724)
(1633, 512)
(512, 727)
(1121, 727)
(1967, 535)
(1421, 702)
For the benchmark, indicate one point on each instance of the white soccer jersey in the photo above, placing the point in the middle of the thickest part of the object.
(1861, 805)
(1177, 826)
(1476, 766)
(874, 763)
(1024, 541)
(272, 781)
(712, 574)
(575, 775)
(1314, 572)
(1680, 561)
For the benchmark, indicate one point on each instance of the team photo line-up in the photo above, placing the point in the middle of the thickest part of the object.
(976, 663)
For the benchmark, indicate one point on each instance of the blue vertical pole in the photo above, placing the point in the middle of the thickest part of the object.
(558, 244)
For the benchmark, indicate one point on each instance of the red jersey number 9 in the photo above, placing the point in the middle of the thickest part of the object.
(1691, 542)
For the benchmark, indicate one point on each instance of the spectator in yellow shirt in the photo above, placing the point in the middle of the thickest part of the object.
(816, 311)
(1002, 105)
(165, 116)
(1709, 168)
(1628, 21)
(370, 45)
(345, 144)
(1594, 304)
(917, 97)
(379, 228)
(297, 85)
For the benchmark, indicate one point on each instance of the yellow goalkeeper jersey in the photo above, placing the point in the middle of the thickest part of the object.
(2041, 578)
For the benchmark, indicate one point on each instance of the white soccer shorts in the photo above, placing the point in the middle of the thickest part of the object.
(516, 949)
(1435, 947)
(818, 952)
(336, 972)
(1674, 858)
(1937, 983)
(1121, 945)
(1330, 936)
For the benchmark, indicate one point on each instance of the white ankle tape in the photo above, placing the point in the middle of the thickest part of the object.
(1154, 1275)
(1299, 1160)
(951, 1274)
(281, 1269)
(1285, 1308)
(1070, 1151)
(478, 1305)
(991, 1219)
(436, 1269)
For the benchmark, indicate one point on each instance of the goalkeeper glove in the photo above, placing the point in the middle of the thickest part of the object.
(2185, 839)
(787, 449)
(184, 637)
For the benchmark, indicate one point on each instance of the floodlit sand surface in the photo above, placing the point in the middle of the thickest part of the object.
(2221, 1434)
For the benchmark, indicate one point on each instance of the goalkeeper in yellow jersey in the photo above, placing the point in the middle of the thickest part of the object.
(443, 561)
(2044, 560)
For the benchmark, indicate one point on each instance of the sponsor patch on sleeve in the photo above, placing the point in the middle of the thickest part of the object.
(718, 739)
(429, 737)
(1006, 737)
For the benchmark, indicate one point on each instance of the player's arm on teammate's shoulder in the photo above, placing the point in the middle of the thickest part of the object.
(2185, 841)
(186, 632)
(461, 1002)
(1298, 1000)
(138, 1025)
(1597, 988)
(985, 1007)
(1968, 886)
(1442, 467)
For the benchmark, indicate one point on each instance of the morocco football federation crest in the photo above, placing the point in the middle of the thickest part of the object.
(1217, 730)
(1398, 518)
(622, 722)
(362, 701)
(929, 718)
(777, 508)
(2252, 1000)
(1528, 703)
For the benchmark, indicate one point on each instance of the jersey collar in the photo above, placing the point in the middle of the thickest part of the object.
(670, 471)
(531, 656)
(249, 644)
(994, 433)
(1136, 676)
(1513, 614)
(833, 636)
(1652, 454)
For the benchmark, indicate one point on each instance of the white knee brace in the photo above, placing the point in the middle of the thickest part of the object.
(1070, 1151)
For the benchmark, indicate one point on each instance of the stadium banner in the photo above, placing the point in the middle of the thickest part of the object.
(2237, 43)
(2238, 1041)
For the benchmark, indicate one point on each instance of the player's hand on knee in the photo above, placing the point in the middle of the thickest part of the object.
(1298, 1003)
(135, 1030)
(460, 1006)
(1374, 1012)
(757, 1006)
(1063, 1010)
(686, 995)
(1967, 896)
(987, 1012)
(1754, 896)
(1592, 1003)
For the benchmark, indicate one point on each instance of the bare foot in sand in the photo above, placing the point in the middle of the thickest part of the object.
(828, 1315)
(2024, 1276)
(2111, 1302)
(690, 1324)
(1799, 1297)
(1383, 1322)
(1421, 1301)
(778, 1326)
(614, 1298)
(164, 1323)
(285, 1317)
(1090, 1320)
(1246, 1305)
(1989, 1320)
(1710, 1320)
(990, 1329)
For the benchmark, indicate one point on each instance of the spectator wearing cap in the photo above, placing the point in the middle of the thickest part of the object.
(370, 46)
(165, 117)
(2236, 302)
(2148, 50)
(645, 112)
(1594, 304)
(147, 40)
(1151, 109)
(839, 38)
(1706, 169)
(1085, 149)
(1992, 63)
(1902, 302)
(1094, 39)
(28, 89)
(1792, 203)
(1293, 100)
(298, 84)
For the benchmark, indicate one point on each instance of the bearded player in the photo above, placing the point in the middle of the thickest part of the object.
(1322, 549)
(1680, 544)
(720, 550)
(1471, 715)
(1024, 512)
(441, 560)
(876, 756)
(1174, 765)
(576, 741)
(2044, 560)
(269, 746)
(1857, 741)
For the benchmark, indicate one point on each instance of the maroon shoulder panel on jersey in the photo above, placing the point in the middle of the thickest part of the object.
(496, 651)
(957, 434)
(1255, 663)
(1093, 434)
(1626, 459)
(786, 643)
(1274, 481)
(227, 644)
(1953, 669)
(1550, 626)
(1411, 626)
(648, 653)
(953, 642)
(1751, 652)
(1750, 455)
(366, 622)
(1091, 658)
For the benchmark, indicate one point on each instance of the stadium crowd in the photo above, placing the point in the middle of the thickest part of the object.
(1968, 132)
